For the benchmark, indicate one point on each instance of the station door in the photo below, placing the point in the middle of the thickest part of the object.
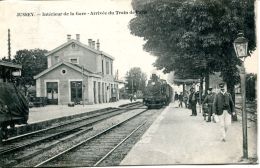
(52, 92)
(76, 91)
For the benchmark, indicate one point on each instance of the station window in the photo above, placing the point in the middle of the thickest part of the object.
(111, 68)
(63, 71)
(102, 66)
(74, 60)
(57, 59)
(107, 67)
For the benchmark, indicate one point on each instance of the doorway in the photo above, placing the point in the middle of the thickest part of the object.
(76, 91)
(52, 92)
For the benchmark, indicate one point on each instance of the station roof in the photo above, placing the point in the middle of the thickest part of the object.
(10, 64)
(80, 44)
(186, 80)
(73, 66)
(120, 81)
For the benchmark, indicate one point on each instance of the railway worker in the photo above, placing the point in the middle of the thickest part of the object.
(223, 107)
(193, 102)
(209, 102)
(176, 96)
(180, 99)
(131, 97)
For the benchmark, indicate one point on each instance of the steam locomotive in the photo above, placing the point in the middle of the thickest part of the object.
(14, 107)
(157, 93)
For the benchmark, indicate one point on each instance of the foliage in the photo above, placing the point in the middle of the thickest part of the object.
(123, 94)
(33, 62)
(195, 38)
(251, 86)
(5, 59)
(136, 80)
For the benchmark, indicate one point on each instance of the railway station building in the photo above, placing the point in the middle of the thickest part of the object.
(77, 73)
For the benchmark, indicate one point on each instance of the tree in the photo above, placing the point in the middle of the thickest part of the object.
(5, 59)
(33, 62)
(135, 80)
(195, 37)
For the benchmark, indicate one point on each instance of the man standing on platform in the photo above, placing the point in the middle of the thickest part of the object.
(193, 102)
(209, 102)
(180, 99)
(223, 107)
(176, 96)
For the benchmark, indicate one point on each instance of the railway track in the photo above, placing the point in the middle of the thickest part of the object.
(69, 122)
(251, 113)
(23, 147)
(101, 143)
(96, 149)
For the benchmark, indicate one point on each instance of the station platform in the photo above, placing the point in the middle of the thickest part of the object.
(49, 112)
(175, 137)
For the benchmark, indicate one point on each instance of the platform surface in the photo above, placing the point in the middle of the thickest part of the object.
(175, 137)
(38, 114)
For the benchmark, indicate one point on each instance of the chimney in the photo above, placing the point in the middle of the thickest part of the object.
(77, 37)
(93, 44)
(98, 45)
(90, 42)
(68, 37)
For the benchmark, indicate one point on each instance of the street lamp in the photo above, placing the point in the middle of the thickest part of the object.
(240, 45)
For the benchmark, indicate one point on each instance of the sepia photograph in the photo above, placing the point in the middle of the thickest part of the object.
(116, 83)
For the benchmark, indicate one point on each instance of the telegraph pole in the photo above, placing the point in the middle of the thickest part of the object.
(9, 46)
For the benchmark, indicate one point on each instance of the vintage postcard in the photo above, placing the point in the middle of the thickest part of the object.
(89, 83)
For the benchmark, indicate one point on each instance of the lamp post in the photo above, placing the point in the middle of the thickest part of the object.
(240, 46)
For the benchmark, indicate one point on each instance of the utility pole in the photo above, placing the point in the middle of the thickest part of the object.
(9, 46)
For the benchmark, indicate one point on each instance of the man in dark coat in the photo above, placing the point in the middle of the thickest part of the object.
(176, 96)
(180, 99)
(209, 102)
(193, 102)
(223, 107)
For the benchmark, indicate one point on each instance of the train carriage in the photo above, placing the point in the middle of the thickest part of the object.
(14, 107)
(168, 93)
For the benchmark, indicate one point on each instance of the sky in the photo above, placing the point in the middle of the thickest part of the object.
(48, 32)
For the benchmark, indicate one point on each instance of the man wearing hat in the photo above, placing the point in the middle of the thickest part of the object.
(209, 99)
(193, 102)
(223, 107)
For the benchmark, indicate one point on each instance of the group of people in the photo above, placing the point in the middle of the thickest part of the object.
(219, 106)
(132, 97)
(182, 98)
